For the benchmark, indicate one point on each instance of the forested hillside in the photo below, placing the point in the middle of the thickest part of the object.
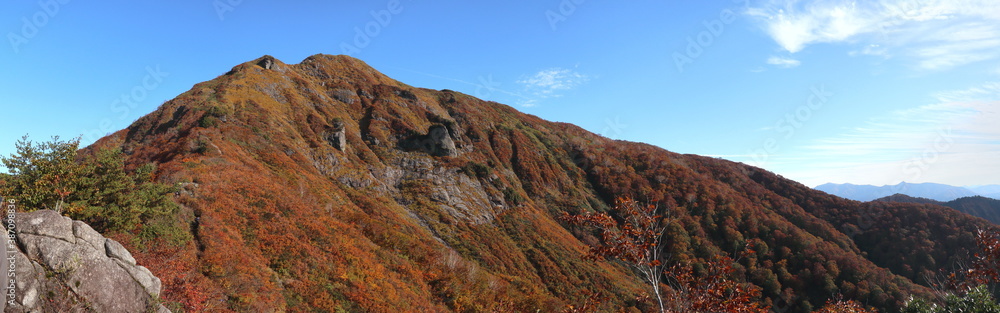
(327, 186)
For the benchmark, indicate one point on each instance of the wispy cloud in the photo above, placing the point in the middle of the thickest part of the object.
(549, 83)
(528, 102)
(783, 62)
(938, 34)
(872, 49)
(989, 91)
(952, 141)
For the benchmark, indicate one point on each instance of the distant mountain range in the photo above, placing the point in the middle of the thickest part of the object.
(991, 191)
(979, 206)
(939, 192)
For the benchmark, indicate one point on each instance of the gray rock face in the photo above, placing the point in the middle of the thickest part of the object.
(440, 141)
(266, 62)
(460, 196)
(61, 265)
(345, 95)
(437, 142)
(337, 136)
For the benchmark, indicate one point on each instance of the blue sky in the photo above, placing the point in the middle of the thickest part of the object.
(872, 92)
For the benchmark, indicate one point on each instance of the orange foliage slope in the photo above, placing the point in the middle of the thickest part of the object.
(284, 220)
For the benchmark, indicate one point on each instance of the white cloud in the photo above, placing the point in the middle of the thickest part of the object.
(528, 103)
(783, 62)
(549, 83)
(795, 24)
(955, 141)
(939, 34)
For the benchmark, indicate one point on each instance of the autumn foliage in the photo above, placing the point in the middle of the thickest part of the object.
(844, 306)
(284, 216)
(635, 236)
(985, 268)
(713, 290)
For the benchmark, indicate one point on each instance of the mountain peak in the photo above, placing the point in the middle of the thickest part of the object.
(321, 66)
(326, 185)
(268, 62)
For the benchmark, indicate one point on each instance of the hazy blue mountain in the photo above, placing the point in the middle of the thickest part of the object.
(992, 191)
(939, 192)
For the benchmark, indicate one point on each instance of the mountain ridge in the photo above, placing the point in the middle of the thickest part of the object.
(937, 192)
(326, 185)
(989, 191)
(979, 206)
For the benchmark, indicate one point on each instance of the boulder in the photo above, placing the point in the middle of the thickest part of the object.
(266, 62)
(61, 265)
(439, 141)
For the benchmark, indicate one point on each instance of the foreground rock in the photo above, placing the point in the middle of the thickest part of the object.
(62, 265)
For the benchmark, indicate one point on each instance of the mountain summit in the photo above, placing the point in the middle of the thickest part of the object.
(328, 186)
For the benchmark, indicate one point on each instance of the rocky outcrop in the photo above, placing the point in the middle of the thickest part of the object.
(436, 142)
(62, 265)
(266, 62)
(270, 63)
(345, 95)
(439, 141)
(336, 136)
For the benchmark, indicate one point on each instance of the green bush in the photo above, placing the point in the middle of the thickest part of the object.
(475, 169)
(512, 197)
(212, 116)
(208, 121)
(42, 175)
(95, 188)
